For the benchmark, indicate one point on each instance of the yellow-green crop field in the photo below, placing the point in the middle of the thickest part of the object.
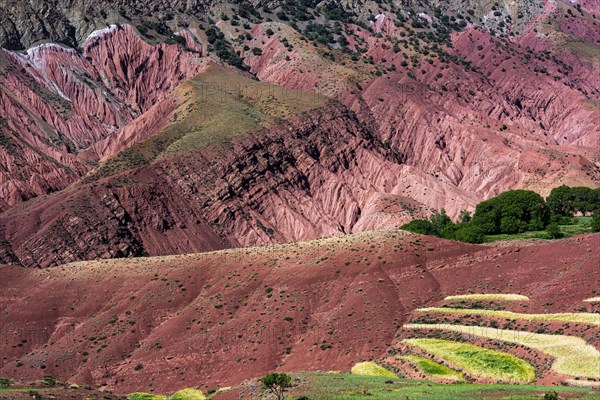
(573, 355)
(478, 361)
(434, 369)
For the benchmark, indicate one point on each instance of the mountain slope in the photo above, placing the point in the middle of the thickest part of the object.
(57, 103)
(204, 320)
(132, 146)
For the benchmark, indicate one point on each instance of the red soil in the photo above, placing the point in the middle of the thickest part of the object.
(216, 319)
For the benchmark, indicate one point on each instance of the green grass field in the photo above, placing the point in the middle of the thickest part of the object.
(478, 361)
(434, 369)
(573, 355)
(581, 318)
(581, 225)
(345, 386)
(324, 386)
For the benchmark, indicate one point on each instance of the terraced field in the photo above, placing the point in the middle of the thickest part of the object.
(434, 369)
(553, 347)
(478, 361)
(371, 369)
(593, 300)
(581, 318)
(573, 356)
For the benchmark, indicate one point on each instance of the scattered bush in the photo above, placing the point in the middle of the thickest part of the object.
(551, 396)
(553, 231)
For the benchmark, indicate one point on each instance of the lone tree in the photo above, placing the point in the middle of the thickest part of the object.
(276, 383)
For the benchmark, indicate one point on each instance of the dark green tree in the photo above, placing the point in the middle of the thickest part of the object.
(559, 201)
(596, 221)
(553, 231)
(512, 212)
(465, 216)
(565, 200)
(468, 233)
(440, 221)
(276, 383)
(421, 226)
(584, 199)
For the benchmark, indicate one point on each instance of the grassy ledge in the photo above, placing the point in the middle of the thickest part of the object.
(324, 386)
(188, 394)
(487, 297)
(573, 356)
(593, 300)
(215, 106)
(478, 361)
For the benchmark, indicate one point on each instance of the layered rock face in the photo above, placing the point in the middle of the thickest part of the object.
(57, 106)
(319, 174)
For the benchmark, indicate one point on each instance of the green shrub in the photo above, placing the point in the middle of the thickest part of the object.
(276, 383)
(468, 233)
(595, 224)
(5, 383)
(553, 231)
(551, 396)
(421, 226)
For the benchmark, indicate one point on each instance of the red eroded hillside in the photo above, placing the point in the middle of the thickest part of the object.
(218, 318)
(60, 107)
(129, 148)
(470, 116)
